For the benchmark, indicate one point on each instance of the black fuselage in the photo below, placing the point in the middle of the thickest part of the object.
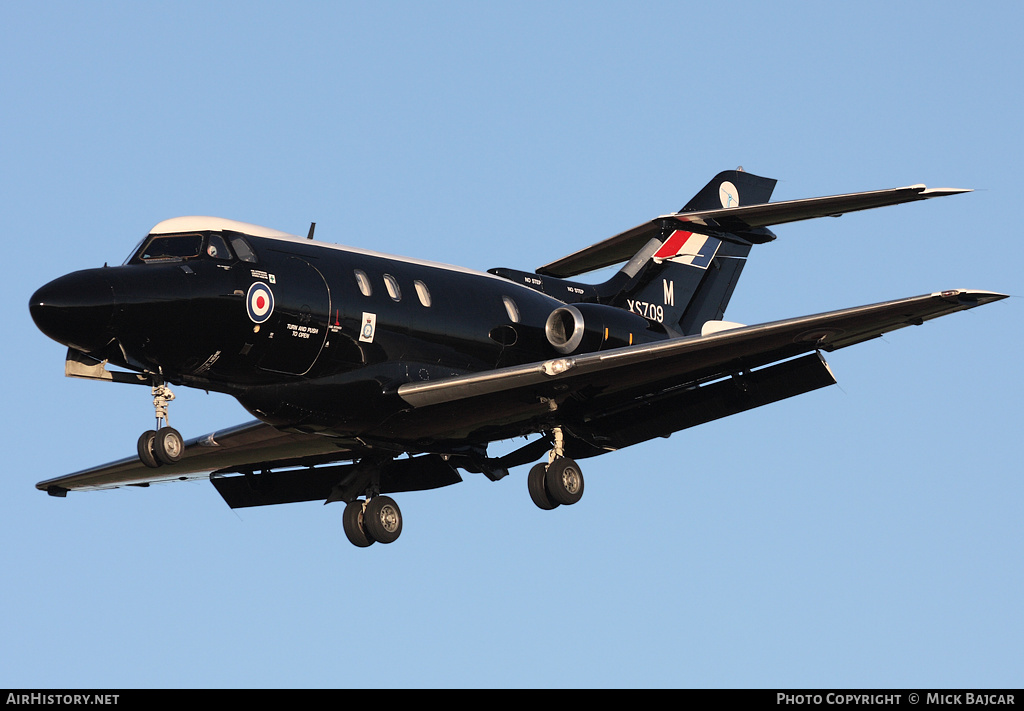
(310, 336)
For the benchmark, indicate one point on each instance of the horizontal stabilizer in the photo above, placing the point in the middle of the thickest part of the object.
(743, 221)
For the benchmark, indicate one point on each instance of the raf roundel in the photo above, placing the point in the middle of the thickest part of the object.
(259, 302)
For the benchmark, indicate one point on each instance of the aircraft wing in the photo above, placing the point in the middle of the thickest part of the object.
(248, 444)
(612, 386)
(743, 220)
(620, 376)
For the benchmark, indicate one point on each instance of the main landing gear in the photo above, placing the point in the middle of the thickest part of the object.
(163, 445)
(558, 481)
(376, 519)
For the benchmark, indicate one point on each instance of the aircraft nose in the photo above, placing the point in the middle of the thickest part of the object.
(76, 309)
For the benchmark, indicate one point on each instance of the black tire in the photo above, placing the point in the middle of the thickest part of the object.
(564, 481)
(538, 492)
(145, 448)
(382, 519)
(352, 521)
(168, 445)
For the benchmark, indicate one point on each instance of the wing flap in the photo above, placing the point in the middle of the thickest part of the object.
(681, 408)
(291, 486)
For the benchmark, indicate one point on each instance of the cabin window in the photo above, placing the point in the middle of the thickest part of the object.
(242, 249)
(511, 309)
(363, 281)
(423, 292)
(172, 247)
(392, 286)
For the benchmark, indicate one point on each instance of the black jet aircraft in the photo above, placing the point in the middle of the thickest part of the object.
(371, 374)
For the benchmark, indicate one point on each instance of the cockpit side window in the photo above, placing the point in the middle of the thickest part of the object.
(169, 247)
(242, 249)
(217, 248)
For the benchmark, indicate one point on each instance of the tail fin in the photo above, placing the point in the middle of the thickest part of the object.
(732, 188)
(684, 278)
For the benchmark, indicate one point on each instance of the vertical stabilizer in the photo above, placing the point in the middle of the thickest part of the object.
(732, 188)
(689, 278)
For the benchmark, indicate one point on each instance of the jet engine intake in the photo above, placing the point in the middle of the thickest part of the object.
(582, 328)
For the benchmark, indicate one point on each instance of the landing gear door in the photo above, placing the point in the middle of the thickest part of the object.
(294, 303)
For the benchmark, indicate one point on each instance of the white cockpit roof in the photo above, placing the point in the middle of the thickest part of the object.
(201, 223)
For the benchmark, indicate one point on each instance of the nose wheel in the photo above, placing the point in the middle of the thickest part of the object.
(163, 445)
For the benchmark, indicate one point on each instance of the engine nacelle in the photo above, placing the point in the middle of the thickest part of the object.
(583, 328)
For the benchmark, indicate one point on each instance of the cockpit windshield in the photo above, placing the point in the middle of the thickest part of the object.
(192, 245)
(160, 247)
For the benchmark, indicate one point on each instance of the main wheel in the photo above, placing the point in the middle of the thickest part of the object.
(352, 521)
(382, 519)
(564, 481)
(538, 492)
(168, 445)
(145, 449)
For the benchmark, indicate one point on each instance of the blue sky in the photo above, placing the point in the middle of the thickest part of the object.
(867, 534)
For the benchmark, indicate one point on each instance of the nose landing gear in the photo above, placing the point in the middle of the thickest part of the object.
(163, 445)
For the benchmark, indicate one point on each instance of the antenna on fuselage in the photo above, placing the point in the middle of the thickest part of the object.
(312, 227)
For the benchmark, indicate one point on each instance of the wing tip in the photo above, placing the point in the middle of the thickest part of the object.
(940, 192)
(971, 297)
(52, 490)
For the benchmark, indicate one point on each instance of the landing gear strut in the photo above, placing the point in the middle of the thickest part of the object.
(560, 481)
(377, 519)
(163, 445)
